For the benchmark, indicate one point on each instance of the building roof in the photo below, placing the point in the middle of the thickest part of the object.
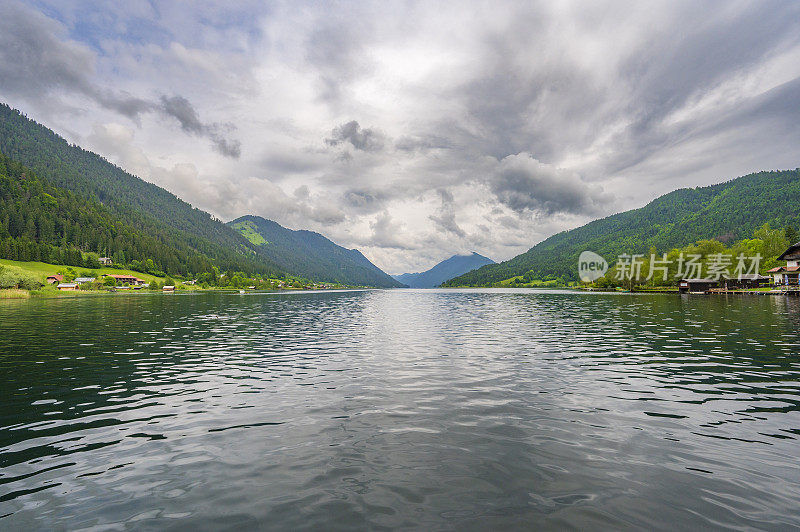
(792, 250)
(748, 277)
(126, 278)
(67, 285)
(776, 269)
(699, 280)
(84, 279)
(56, 277)
(792, 268)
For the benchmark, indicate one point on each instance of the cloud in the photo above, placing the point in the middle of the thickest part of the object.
(32, 57)
(445, 218)
(452, 128)
(36, 60)
(389, 233)
(335, 52)
(366, 200)
(525, 184)
(421, 143)
(179, 108)
(365, 139)
(253, 195)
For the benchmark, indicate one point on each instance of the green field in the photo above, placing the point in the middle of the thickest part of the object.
(519, 282)
(41, 270)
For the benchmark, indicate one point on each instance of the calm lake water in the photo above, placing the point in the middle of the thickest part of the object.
(428, 409)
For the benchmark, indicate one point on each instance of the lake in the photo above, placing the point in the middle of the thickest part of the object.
(421, 409)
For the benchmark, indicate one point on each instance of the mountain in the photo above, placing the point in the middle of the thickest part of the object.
(727, 211)
(41, 222)
(197, 240)
(310, 254)
(447, 269)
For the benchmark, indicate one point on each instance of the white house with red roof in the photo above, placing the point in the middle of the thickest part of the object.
(788, 275)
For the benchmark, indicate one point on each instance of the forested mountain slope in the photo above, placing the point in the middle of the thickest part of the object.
(726, 211)
(143, 206)
(40, 222)
(311, 254)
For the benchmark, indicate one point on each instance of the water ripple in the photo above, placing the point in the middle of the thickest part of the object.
(428, 409)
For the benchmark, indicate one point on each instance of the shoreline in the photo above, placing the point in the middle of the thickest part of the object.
(19, 293)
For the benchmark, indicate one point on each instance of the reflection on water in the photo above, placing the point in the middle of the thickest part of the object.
(422, 409)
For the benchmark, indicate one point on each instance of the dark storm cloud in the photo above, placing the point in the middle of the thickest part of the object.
(121, 102)
(365, 139)
(534, 94)
(365, 200)
(179, 108)
(36, 62)
(667, 74)
(33, 60)
(525, 184)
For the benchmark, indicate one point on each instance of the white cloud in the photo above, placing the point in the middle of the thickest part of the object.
(449, 127)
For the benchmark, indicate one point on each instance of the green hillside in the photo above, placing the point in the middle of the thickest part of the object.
(40, 270)
(197, 241)
(310, 254)
(727, 212)
(41, 222)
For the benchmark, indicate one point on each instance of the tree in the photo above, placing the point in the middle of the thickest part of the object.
(791, 234)
(775, 241)
(15, 279)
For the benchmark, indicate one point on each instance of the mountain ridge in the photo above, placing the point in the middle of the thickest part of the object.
(309, 253)
(726, 211)
(444, 270)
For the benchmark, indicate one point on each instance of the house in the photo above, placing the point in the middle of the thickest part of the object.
(82, 280)
(788, 275)
(696, 286)
(51, 279)
(168, 288)
(127, 279)
(67, 286)
(777, 274)
(751, 280)
(105, 261)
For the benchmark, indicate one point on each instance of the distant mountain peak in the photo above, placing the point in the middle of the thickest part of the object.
(444, 271)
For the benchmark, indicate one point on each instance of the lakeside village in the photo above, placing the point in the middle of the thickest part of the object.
(20, 279)
(719, 273)
(113, 282)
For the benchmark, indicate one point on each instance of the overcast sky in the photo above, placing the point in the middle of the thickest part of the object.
(414, 131)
